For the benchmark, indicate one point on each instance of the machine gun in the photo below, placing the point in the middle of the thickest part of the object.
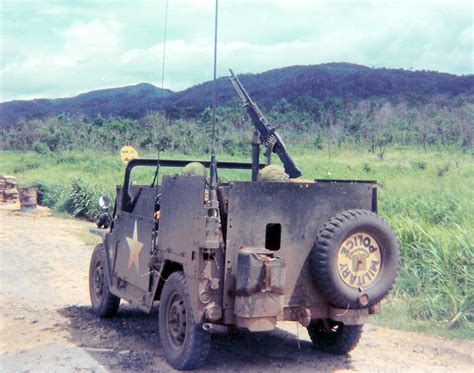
(268, 136)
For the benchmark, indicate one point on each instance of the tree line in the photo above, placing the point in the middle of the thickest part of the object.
(305, 122)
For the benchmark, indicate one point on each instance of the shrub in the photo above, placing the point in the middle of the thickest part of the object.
(41, 148)
(82, 200)
(318, 141)
(367, 168)
(420, 165)
(443, 170)
(49, 194)
(68, 158)
(26, 165)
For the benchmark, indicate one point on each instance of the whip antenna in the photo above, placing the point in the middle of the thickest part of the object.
(213, 143)
(165, 27)
(164, 55)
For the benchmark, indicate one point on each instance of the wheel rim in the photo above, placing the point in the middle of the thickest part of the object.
(98, 280)
(176, 320)
(359, 260)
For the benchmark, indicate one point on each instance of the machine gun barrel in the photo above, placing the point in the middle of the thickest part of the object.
(270, 137)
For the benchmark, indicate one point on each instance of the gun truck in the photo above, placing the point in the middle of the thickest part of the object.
(243, 254)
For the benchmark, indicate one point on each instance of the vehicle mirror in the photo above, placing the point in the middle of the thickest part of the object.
(104, 202)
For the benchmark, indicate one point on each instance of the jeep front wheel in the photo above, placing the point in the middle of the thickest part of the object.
(334, 337)
(355, 259)
(185, 343)
(104, 303)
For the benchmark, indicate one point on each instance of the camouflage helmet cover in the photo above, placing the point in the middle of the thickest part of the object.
(273, 173)
(194, 169)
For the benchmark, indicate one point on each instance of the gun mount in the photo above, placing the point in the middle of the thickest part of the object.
(268, 135)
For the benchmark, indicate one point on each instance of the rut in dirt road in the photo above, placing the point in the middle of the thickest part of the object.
(46, 322)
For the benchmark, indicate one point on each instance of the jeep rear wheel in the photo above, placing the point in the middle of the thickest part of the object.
(185, 343)
(334, 337)
(104, 303)
(355, 259)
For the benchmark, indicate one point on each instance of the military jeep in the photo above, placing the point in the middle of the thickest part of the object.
(244, 254)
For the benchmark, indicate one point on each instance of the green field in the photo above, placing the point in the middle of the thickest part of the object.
(427, 196)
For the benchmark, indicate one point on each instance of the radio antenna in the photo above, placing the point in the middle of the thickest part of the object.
(164, 55)
(165, 27)
(214, 99)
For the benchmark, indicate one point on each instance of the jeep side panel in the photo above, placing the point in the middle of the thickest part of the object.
(182, 239)
(129, 245)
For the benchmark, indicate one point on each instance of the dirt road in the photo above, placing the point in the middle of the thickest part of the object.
(46, 323)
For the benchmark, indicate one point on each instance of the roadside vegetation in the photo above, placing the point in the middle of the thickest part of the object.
(425, 194)
(375, 123)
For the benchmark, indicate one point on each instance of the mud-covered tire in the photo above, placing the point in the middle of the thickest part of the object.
(334, 337)
(185, 343)
(343, 285)
(104, 303)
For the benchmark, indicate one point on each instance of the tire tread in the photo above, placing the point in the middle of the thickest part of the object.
(339, 343)
(200, 340)
(110, 303)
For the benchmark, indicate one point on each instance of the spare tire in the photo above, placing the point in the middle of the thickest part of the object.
(355, 259)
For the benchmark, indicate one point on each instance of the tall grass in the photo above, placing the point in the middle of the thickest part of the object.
(78, 198)
(427, 197)
(436, 271)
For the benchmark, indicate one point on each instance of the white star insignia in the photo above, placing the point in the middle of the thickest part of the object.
(135, 247)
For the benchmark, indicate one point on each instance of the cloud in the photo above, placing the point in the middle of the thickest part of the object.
(64, 48)
(466, 38)
(95, 37)
(86, 46)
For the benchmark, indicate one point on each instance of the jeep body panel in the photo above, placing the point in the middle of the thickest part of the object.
(299, 211)
(189, 236)
(128, 247)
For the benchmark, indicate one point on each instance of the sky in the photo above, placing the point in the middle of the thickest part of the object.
(60, 48)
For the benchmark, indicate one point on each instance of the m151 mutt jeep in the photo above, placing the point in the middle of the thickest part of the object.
(244, 254)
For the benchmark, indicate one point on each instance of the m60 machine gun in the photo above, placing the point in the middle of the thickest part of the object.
(265, 134)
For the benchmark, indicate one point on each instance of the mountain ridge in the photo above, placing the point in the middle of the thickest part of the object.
(321, 82)
(108, 101)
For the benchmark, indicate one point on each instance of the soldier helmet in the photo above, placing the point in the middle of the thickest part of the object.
(274, 173)
(195, 169)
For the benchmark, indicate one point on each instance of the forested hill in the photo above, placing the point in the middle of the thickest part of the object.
(131, 102)
(320, 82)
(323, 82)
